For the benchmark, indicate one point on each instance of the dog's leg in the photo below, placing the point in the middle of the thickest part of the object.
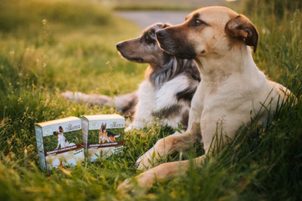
(164, 147)
(168, 170)
(176, 142)
(93, 99)
(159, 173)
(126, 103)
(172, 143)
(123, 103)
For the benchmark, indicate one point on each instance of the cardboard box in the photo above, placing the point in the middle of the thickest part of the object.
(103, 135)
(59, 142)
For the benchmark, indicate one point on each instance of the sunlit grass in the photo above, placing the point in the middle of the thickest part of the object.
(51, 46)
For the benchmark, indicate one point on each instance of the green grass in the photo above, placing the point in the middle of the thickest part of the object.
(48, 47)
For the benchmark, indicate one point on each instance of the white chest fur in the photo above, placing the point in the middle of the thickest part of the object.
(152, 100)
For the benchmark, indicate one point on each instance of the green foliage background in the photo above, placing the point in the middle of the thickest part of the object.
(48, 47)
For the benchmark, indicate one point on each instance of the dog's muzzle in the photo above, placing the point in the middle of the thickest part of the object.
(174, 46)
(121, 47)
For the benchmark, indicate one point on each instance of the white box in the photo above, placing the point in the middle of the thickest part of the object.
(59, 143)
(102, 135)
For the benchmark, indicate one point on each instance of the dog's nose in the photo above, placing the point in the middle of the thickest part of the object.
(119, 45)
(160, 34)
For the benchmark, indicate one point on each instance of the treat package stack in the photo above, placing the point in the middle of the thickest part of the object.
(59, 143)
(102, 135)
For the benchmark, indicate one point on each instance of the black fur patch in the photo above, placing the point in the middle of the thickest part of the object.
(166, 112)
(186, 94)
(192, 71)
(172, 68)
(185, 119)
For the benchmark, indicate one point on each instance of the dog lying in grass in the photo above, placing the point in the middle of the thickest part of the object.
(232, 92)
(165, 94)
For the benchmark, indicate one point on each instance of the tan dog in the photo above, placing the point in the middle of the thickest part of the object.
(232, 91)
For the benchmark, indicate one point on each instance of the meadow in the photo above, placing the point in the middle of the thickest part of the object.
(48, 47)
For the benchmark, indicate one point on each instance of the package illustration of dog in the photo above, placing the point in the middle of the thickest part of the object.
(106, 136)
(102, 135)
(59, 143)
(62, 142)
(164, 96)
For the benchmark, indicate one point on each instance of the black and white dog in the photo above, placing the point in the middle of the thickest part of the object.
(164, 96)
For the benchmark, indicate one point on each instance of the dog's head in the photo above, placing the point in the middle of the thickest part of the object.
(103, 127)
(145, 48)
(208, 31)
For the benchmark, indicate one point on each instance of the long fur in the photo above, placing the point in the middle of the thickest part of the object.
(163, 97)
(173, 68)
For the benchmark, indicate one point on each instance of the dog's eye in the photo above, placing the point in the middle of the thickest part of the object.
(148, 39)
(197, 22)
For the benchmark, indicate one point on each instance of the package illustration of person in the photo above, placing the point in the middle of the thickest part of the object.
(62, 142)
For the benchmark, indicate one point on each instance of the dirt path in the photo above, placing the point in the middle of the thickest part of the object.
(146, 18)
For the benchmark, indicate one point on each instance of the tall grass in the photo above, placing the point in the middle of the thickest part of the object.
(48, 47)
(18, 13)
(51, 46)
(279, 8)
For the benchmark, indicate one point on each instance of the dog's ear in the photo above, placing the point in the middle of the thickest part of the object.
(157, 27)
(241, 28)
(166, 25)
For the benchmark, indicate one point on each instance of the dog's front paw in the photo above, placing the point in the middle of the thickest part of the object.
(126, 186)
(139, 185)
(146, 161)
(131, 187)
